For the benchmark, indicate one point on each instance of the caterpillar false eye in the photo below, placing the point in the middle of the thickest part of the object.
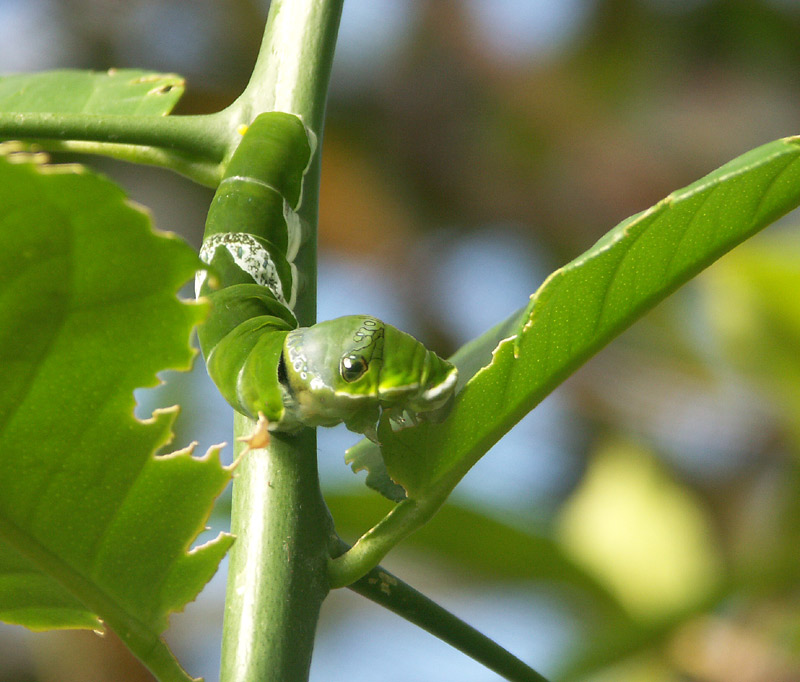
(259, 358)
(353, 367)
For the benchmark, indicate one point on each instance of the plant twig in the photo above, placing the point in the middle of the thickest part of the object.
(276, 580)
(201, 137)
(392, 593)
(278, 565)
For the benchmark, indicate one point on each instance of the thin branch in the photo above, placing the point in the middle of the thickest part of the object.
(375, 544)
(203, 137)
(385, 589)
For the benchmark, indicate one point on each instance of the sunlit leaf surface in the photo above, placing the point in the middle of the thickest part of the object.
(93, 527)
(585, 304)
(66, 91)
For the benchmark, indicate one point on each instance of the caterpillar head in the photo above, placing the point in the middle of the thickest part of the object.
(352, 368)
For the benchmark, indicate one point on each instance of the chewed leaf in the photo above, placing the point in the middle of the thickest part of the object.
(366, 456)
(67, 91)
(471, 357)
(585, 304)
(93, 526)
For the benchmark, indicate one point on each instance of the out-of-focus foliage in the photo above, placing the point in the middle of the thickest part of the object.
(752, 301)
(642, 533)
(452, 124)
(586, 303)
(644, 97)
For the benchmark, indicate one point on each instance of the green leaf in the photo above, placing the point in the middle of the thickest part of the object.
(471, 357)
(585, 304)
(577, 310)
(92, 525)
(67, 91)
(120, 114)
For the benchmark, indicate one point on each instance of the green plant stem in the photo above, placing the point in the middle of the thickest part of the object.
(388, 591)
(203, 172)
(278, 565)
(202, 137)
(369, 550)
(276, 580)
(299, 40)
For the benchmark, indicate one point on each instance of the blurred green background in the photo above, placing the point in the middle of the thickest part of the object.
(642, 524)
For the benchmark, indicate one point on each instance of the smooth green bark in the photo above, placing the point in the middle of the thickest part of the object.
(278, 566)
(201, 137)
(276, 580)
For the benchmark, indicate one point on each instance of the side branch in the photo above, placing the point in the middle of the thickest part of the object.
(203, 138)
(387, 590)
(375, 544)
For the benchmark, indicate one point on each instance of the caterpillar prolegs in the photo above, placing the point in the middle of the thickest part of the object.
(350, 369)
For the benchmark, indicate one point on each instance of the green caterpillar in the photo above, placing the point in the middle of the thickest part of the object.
(345, 370)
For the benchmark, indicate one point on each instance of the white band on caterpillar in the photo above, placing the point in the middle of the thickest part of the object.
(249, 255)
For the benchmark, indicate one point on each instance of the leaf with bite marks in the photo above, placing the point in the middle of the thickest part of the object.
(93, 527)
